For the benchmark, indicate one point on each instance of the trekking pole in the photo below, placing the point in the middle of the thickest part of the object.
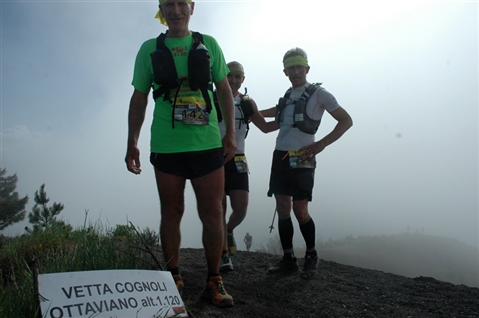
(271, 228)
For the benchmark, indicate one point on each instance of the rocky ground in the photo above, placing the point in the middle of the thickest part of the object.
(336, 291)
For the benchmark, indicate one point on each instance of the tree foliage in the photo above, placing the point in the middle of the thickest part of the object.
(43, 216)
(12, 207)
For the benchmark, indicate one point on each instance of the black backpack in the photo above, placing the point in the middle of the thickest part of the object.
(165, 75)
(246, 107)
(301, 119)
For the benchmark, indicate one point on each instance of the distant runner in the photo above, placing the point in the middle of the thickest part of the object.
(248, 239)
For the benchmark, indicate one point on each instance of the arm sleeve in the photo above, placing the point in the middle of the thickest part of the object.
(219, 69)
(321, 100)
(143, 71)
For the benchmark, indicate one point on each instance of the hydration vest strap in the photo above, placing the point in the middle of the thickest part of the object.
(206, 96)
(303, 99)
(217, 106)
(307, 92)
(310, 90)
(288, 93)
(197, 39)
(162, 90)
(245, 105)
(170, 82)
(173, 106)
(165, 74)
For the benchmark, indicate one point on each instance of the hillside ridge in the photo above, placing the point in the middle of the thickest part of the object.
(336, 291)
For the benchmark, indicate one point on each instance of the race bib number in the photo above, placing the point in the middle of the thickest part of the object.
(241, 164)
(192, 114)
(295, 160)
(191, 110)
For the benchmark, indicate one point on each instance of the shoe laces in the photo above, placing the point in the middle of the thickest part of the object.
(178, 280)
(218, 283)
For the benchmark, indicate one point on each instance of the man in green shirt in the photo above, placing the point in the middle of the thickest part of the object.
(185, 141)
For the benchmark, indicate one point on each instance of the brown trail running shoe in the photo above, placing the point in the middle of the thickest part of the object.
(179, 282)
(215, 291)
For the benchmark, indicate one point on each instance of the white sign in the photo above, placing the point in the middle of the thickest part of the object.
(110, 293)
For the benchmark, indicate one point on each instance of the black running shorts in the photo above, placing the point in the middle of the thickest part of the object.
(235, 180)
(189, 165)
(297, 183)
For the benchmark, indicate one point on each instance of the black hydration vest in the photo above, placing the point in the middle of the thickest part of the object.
(245, 106)
(301, 119)
(165, 75)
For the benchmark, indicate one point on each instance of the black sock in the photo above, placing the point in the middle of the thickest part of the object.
(286, 231)
(308, 229)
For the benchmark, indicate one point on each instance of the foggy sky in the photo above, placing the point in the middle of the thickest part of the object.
(407, 72)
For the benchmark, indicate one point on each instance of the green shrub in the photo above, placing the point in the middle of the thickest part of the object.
(59, 249)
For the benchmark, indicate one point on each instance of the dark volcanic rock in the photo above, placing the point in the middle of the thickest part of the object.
(336, 291)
